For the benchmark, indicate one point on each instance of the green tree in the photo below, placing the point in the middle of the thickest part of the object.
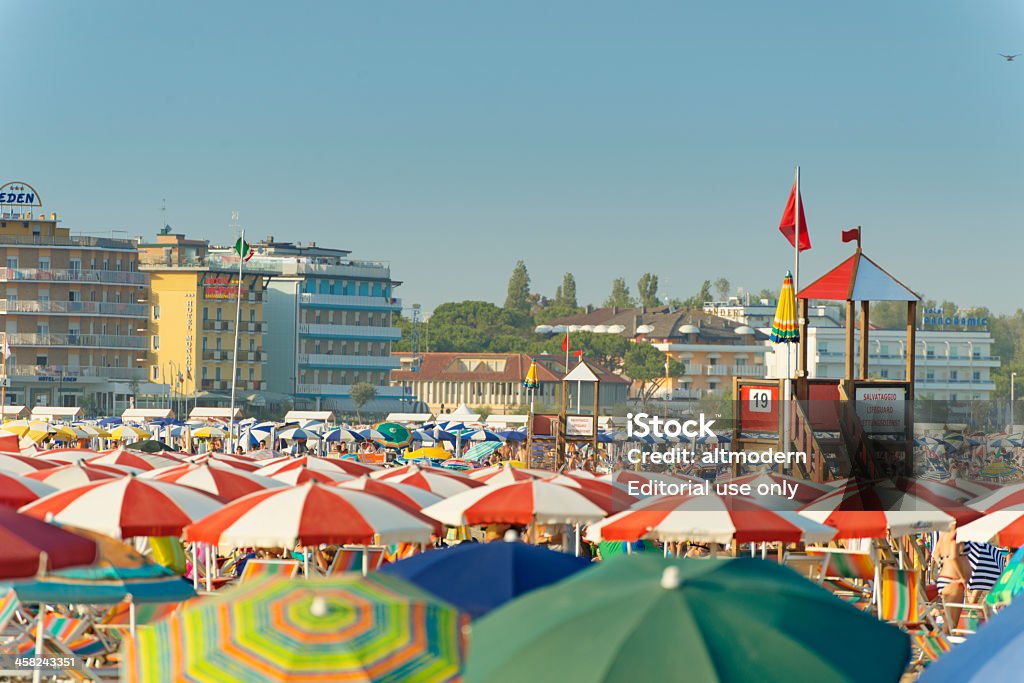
(647, 288)
(619, 298)
(722, 288)
(698, 299)
(566, 293)
(475, 326)
(518, 298)
(646, 364)
(362, 393)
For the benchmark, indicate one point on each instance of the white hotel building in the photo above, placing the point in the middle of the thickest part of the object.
(951, 364)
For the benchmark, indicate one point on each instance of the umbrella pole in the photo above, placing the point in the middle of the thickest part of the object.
(37, 672)
(195, 567)
(305, 561)
(665, 548)
(131, 615)
(366, 560)
(576, 539)
(209, 568)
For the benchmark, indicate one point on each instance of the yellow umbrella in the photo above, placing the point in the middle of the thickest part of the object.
(22, 427)
(784, 326)
(93, 430)
(66, 433)
(209, 433)
(433, 452)
(128, 433)
(531, 381)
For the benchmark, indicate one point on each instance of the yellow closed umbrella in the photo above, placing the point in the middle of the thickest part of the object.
(784, 326)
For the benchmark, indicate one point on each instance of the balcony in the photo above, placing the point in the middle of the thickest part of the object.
(349, 361)
(214, 385)
(366, 303)
(344, 390)
(350, 331)
(57, 373)
(247, 326)
(225, 385)
(106, 341)
(74, 308)
(243, 356)
(756, 370)
(109, 277)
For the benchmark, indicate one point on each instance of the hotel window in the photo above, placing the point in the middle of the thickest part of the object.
(364, 288)
(106, 264)
(252, 374)
(953, 375)
(976, 376)
(43, 295)
(74, 295)
(206, 313)
(252, 345)
(205, 371)
(156, 312)
(206, 343)
(156, 342)
(75, 264)
(12, 261)
(156, 372)
(117, 361)
(252, 315)
(44, 263)
(218, 312)
(216, 344)
(117, 266)
(216, 373)
(117, 297)
(41, 360)
(884, 374)
(42, 328)
(929, 376)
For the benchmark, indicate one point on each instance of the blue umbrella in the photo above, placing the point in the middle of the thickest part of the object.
(994, 653)
(513, 435)
(478, 577)
(481, 435)
(108, 421)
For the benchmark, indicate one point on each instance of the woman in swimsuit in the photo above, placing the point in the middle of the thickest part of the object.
(954, 573)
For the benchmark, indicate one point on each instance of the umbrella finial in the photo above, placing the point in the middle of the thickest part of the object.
(318, 608)
(511, 536)
(670, 579)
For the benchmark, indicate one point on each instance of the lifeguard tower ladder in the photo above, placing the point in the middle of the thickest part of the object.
(857, 426)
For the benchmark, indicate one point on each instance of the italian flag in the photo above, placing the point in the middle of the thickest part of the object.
(244, 249)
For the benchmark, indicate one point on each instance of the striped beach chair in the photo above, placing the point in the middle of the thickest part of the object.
(400, 551)
(971, 617)
(848, 574)
(259, 568)
(351, 560)
(14, 620)
(928, 646)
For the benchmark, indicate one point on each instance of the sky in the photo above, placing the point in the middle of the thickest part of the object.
(606, 139)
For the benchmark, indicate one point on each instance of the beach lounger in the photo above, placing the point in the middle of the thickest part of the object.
(351, 560)
(901, 599)
(14, 620)
(928, 646)
(258, 568)
(71, 637)
(848, 574)
(971, 617)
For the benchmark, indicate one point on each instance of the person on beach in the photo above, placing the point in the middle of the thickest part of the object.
(954, 574)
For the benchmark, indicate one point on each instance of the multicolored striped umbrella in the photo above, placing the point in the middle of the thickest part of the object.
(126, 507)
(343, 628)
(784, 329)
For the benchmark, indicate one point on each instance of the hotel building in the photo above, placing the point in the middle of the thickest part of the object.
(192, 322)
(332, 322)
(74, 311)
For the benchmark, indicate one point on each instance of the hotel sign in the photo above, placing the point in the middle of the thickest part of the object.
(220, 286)
(19, 194)
(936, 317)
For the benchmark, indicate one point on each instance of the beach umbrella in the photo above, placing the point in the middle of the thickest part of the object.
(309, 514)
(331, 465)
(119, 571)
(481, 449)
(16, 491)
(436, 480)
(126, 507)
(1010, 583)
(109, 422)
(975, 488)
(23, 427)
(64, 456)
(65, 433)
(220, 480)
(479, 577)
(298, 434)
(994, 653)
(481, 435)
(643, 484)
(395, 435)
(342, 628)
(766, 489)
(75, 474)
(994, 470)
(29, 543)
(313, 425)
(239, 462)
(710, 519)
(869, 509)
(23, 464)
(209, 433)
(301, 475)
(342, 435)
(520, 435)
(1003, 525)
(128, 433)
(731, 621)
(149, 446)
(1004, 496)
(93, 431)
(407, 496)
(138, 460)
(933, 491)
(620, 498)
(521, 503)
(506, 474)
(431, 452)
(1006, 442)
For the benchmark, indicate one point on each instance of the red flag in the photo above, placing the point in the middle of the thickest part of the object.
(578, 354)
(565, 342)
(852, 235)
(787, 226)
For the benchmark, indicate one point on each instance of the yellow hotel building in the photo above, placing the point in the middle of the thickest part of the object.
(192, 322)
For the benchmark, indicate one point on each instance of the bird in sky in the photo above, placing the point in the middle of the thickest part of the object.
(1009, 58)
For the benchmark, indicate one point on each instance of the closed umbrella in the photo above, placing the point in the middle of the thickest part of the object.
(731, 621)
(372, 629)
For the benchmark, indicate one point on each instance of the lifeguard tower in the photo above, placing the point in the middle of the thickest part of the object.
(856, 426)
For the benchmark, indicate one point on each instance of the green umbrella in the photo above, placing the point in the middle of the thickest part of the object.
(1010, 583)
(149, 446)
(395, 435)
(647, 618)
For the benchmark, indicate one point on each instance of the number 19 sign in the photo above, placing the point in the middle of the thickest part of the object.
(759, 408)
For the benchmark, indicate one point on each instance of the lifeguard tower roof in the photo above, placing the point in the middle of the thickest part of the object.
(858, 278)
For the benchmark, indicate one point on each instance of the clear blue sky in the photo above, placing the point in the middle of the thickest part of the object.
(602, 138)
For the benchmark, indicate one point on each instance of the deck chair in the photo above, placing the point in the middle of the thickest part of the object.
(259, 568)
(71, 637)
(807, 566)
(400, 551)
(971, 617)
(901, 599)
(848, 574)
(115, 623)
(351, 560)
(927, 646)
(14, 620)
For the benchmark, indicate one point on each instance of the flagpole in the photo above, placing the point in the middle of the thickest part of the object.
(796, 240)
(234, 354)
(3, 384)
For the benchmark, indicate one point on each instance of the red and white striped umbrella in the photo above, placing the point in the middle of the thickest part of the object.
(710, 518)
(1003, 526)
(16, 491)
(126, 507)
(871, 509)
(934, 491)
(75, 474)
(392, 472)
(67, 455)
(525, 502)
(1010, 494)
(303, 475)
(506, 474)
(237, 461)
(400, 494)
(309, 515)
(220, 480)
(975, 488)
(428, 479)
(644, 484)
(768, 487)
(350, 467)
(142, 461)
(23, 464)
(620, 498)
